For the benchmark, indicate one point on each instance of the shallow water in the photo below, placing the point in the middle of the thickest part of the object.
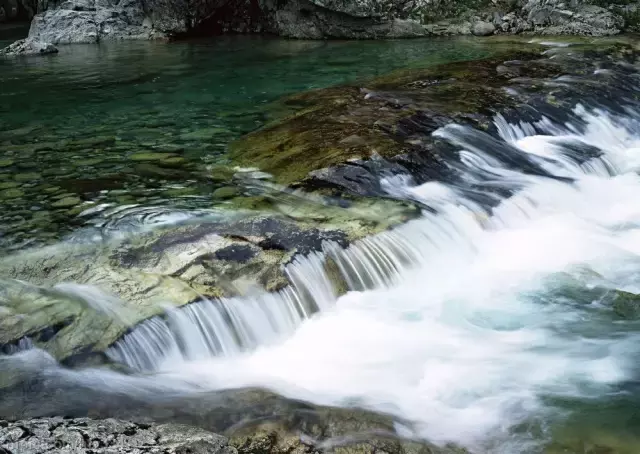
(77, 128)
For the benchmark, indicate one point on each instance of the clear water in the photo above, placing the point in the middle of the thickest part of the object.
(71, 124)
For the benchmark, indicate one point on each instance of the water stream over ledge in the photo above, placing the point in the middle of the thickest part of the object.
(483, 327)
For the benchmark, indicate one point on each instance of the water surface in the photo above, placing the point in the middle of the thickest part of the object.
(140, 122)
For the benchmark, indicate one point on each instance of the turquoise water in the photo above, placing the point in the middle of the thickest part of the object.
(76, 128)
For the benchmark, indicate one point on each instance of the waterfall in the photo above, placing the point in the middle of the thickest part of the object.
(482, 322)
(227, 326)
(450, 229)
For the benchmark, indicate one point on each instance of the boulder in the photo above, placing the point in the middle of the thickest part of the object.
(482, 28)
(90, 21)
(28, 47)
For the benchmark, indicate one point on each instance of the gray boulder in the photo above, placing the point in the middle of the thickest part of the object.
(90, 21)
(553, 17)
(482, 28)
(28, 47)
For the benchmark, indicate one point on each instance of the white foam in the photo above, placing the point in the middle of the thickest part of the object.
(455, 342)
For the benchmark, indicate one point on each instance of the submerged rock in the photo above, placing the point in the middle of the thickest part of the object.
(29, 46)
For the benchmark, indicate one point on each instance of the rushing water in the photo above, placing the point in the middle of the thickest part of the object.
(143, 122)
(483, 327)
(489, 326)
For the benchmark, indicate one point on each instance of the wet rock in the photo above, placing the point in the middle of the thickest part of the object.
(151, 156)
(29, 46)
(11, 193)
(252, 421)
(226, 192)
(84, 436)
(627, 305)
(66, 202)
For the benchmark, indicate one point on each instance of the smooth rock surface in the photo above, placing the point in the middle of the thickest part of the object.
(483, 28)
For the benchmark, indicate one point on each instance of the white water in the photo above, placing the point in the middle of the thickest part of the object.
(451, 322)
(448, 334)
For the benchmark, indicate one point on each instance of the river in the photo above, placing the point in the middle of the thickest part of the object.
(486, 325)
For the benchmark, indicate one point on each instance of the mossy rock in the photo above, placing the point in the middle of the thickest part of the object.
(152, 156)
(66, 202)
(225, 192)
(335, 125)
(12, 193)
(627, 305)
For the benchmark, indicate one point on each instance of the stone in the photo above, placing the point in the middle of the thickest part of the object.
(482, 28)
(626, 305)
(86, 21)
(84, 436)
(11, 193)
(27, 177)
(66, 202)
(29, 46)
(226, 192)
(151, 156)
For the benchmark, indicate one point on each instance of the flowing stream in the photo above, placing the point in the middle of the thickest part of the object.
(490, 322)
(481, 325)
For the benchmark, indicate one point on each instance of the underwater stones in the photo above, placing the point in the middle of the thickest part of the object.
(179, 192)
(66, 202)
(226, 192)
(6, 162)
(150, 156)
(26, 177)
(12, 193)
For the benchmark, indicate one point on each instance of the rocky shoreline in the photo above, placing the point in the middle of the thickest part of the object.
(93, 21)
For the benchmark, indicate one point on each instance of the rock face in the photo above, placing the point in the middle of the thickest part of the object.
(28, 47)
(90, 21)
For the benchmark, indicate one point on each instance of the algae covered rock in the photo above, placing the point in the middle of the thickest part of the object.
(626, 305)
